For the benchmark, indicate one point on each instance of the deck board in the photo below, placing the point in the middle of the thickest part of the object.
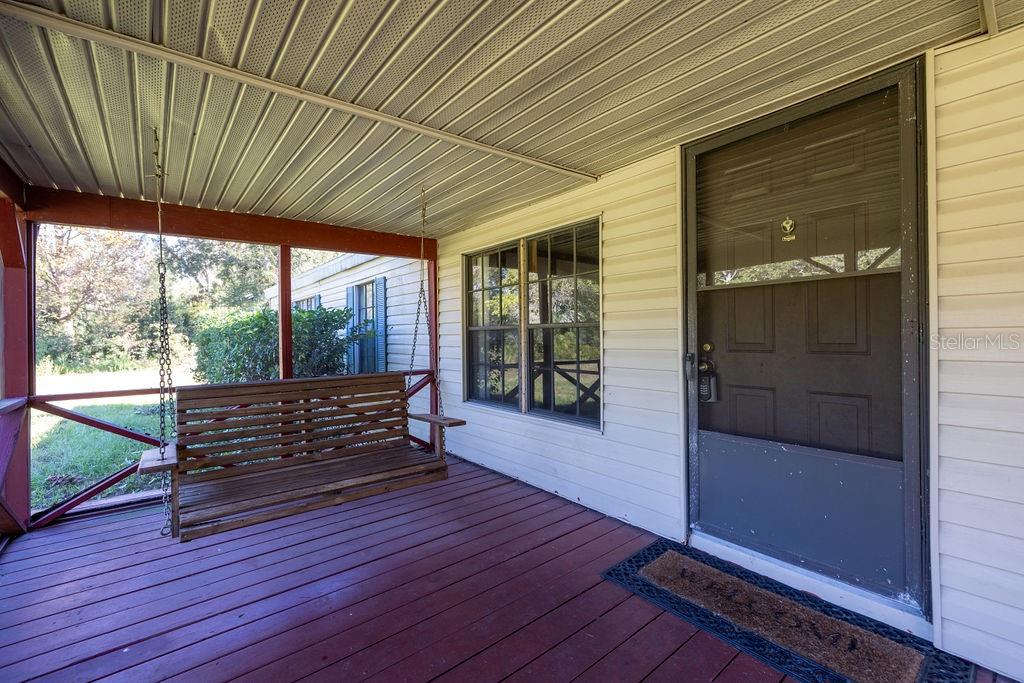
(473, 578)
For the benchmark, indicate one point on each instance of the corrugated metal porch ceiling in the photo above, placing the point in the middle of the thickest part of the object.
(590, 84)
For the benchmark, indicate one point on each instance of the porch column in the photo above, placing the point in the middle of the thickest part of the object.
(434, 333)
(14, 308)
(284, 311)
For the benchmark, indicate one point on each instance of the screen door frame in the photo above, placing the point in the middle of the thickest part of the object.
(908, 78)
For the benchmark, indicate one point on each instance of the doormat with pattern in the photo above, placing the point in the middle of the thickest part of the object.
(793, 631)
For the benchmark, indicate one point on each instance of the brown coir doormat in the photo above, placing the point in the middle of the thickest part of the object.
(793, 631)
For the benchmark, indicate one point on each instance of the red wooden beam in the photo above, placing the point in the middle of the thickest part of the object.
(433, 338)
(12, 236)
(284, 313)
(82, 496)
(11, 186)
(78, 208)
(15, 337)
(416, 388)
(79, 395)
(12, 426)
(432, 326)
(94, 422)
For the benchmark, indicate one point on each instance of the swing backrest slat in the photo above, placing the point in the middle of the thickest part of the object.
(225, 430)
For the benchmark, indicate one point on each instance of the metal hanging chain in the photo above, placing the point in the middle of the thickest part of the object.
(421, 306)
(164, 346)
(421, 301)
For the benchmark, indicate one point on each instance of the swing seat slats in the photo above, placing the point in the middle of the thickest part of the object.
(249, 453)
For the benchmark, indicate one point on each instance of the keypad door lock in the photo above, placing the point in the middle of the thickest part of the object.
(707, 382)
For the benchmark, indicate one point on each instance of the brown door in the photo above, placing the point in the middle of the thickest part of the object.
(800, 277)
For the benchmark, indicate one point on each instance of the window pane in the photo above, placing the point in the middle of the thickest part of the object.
(587, 249)
(590, 396)
(477, 347)
(478, 379)
(492, 270)
(494, 347)
(541, 352)
(565, 393)
(537, 259)
(510, 305)
(510, 266)
(511, 385)
(565, 347)
(542, 390)
(511, 348)
(494, 384)
(590, 348)
(476, 309)
(492, 307)
(563, 300)
(477, 270)
(588, 298)
(561, 254)
(539, 311)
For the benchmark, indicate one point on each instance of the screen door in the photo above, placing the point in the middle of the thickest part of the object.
(805, 341)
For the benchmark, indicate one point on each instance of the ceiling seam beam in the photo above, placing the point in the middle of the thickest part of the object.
(48, 19)
(989, 20)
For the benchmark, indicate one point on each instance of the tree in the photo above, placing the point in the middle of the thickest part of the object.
(224, 273)
(92, 287)
(234, 274)
(243, 348)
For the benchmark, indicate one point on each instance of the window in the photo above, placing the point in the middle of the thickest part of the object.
(310, 303)
(558, 318)
(368, 303)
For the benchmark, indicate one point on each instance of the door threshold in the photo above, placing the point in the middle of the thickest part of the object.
(892, 612)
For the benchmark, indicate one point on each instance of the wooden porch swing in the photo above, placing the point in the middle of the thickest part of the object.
(252, 452)
(248, 453)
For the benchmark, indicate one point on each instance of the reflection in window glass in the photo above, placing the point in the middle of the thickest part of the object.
(563, 304)
(561, 273)
(493, 334)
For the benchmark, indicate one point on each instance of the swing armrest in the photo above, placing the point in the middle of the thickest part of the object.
(437, 420)
(150, 463)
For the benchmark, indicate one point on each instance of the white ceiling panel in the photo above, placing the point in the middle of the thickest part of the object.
(587, 84)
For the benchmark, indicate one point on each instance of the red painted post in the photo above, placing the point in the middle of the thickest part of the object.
(284, 311)
(432, 327)
(14, 291)
(434, 333)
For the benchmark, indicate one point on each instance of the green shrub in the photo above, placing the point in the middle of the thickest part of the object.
(243, 348)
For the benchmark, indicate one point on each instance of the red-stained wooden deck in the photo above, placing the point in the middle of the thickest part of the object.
(476, 578)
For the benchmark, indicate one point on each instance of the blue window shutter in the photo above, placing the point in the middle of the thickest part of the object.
(380, 323)
(353, 349)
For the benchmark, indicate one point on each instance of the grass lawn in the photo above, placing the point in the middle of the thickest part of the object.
(68, 456)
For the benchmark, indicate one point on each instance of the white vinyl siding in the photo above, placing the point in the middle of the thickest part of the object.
(979, 257)
(630, 469)
(403, 282)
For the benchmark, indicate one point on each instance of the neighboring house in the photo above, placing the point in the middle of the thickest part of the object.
(380, 290)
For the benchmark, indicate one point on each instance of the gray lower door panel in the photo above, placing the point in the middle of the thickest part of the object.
(835, 513)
